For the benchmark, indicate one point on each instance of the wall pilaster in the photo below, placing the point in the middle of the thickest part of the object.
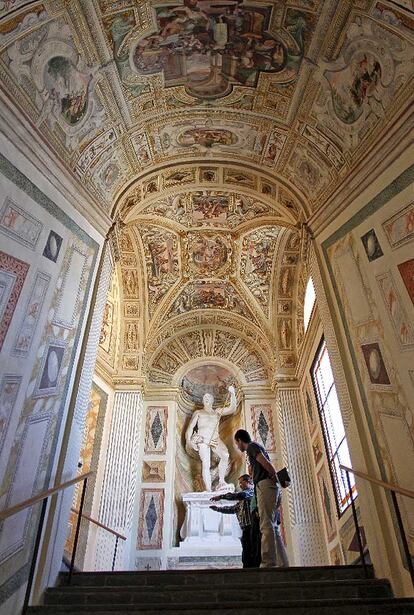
(120, 480)
(307, 531)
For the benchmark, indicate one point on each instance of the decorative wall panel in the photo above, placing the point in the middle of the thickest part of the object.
(156, 430)
(13, 273)
(262, 421)
(42, 353)
(24, 484)
(9, 389)
(151, 519)
(19, 224)
(153, 471)
(32, 314)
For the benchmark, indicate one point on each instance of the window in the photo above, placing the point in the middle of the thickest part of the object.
(332, 426)
(309, 303)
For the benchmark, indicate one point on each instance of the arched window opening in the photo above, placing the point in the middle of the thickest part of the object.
(332, 427)
(309, 303)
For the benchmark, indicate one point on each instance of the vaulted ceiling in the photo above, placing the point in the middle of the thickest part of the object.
(209, 131)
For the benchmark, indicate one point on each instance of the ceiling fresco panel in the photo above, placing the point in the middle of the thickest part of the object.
(209, 131)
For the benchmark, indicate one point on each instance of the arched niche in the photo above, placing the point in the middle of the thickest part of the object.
(193, 380)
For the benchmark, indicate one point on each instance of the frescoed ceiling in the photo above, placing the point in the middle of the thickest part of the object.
(209, 131)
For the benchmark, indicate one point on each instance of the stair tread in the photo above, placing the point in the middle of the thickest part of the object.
(264, 585)
(235, 605)
(220, 571)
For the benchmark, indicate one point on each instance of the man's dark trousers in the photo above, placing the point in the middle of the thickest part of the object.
(246, 540)
(255, 539)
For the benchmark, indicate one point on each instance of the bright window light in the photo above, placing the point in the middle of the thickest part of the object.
(309, 303)
(332, 426)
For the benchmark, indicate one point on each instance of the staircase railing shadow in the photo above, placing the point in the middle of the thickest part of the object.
(44, 497)
(394, 490)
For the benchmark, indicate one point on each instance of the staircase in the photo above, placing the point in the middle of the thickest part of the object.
(333, 590)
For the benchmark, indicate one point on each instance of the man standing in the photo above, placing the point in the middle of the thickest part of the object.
(268, 493)
(242, 510)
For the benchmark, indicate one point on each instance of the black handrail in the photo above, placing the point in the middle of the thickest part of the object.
(397, 514)
(43, 497)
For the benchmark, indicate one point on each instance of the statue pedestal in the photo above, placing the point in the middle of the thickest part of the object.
(206, 532)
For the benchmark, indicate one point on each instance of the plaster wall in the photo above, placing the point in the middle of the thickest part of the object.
(367, 265)
(49, 257)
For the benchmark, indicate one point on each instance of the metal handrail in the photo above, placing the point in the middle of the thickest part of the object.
(390, 486)
(99, 524)
(43, 497)
(394, 489)
(108, 529)
(8, 512)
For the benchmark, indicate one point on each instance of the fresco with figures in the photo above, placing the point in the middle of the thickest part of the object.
(209, 46)
(200, 76)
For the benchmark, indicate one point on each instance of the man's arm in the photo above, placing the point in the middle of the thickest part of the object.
(226, 510)
(231, 409)
(266, 465)
(246, 494)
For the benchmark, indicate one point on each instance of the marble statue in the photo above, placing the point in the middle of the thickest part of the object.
(202, 436)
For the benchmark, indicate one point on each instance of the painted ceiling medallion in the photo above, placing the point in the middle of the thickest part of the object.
(209, 254)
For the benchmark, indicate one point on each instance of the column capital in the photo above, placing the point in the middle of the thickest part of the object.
(161, 393)
(283, 385)
(257, 392)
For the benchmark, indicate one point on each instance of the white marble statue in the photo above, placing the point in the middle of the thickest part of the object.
(203, 437)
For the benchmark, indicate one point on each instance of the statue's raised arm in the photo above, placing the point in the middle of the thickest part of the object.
(231, 409)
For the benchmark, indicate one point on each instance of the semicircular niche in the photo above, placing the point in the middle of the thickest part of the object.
(213, 379)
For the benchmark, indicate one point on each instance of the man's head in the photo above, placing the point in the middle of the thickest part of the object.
(243, 439)
(245, 481)
(208, 401)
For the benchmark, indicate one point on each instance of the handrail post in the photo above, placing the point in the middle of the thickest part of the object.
(403, 536)
(358, 534)
(34, 558)
(75, 543)
(115, 550)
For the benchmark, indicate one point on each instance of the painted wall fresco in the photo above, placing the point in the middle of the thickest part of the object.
(210, 295)
(161, 253)
(48, 264)
(12, 276)
(377, 309)
(361, 83)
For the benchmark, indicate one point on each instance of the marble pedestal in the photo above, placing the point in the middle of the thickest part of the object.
(206, 532)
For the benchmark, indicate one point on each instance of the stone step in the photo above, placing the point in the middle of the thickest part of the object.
(389, 606)
(217, 577)
(246, 592)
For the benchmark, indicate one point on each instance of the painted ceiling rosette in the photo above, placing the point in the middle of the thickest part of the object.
(208, 254)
